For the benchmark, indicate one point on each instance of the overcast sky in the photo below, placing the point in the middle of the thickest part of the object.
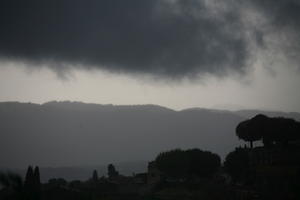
(227, 54)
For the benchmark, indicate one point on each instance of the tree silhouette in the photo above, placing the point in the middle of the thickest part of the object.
(13, 184)
(173, 163)
(112, 172)
(281, 130)
(237, 163)
(187, 164)
(202, 163)
(29, 182)
(37, 183)
(269, 129)
(95, 176)
(32, 185)
(251, 130)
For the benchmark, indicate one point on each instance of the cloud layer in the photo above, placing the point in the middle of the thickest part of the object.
(169, 38)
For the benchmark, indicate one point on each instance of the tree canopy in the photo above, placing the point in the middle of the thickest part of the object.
(111, 171)
(237, 163)
(11, 181)
(32, 184)
(268, 129)
(189, 163)
(95, 175)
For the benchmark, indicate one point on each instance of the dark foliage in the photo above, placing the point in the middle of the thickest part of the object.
(95, 176)
(32, 184)
(270, 130)
(14, 188)
(187, 164)
(237, 163)
(250, 130)
(37, 183)
(11, 186)
(111, 171)
(57, 182)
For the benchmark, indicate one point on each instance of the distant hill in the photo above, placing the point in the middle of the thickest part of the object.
(58, 134)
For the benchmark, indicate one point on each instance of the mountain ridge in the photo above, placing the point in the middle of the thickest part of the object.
(72, 134)
(243, 112)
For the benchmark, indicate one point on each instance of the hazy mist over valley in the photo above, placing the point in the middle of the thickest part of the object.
(74, 134)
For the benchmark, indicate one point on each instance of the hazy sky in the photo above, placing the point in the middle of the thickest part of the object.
(177, 53)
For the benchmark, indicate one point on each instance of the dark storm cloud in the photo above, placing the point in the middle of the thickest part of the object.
(172, 38)
(169, 38)
(283, 17)
(280, 12)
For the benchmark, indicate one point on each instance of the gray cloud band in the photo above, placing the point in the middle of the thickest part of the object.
(172, 39)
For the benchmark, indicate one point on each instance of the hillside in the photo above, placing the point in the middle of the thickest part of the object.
(59, 134)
